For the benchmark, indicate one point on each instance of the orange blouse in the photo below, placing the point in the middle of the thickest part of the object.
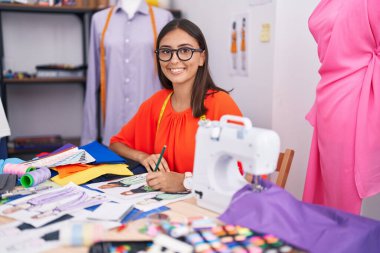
(177, 129)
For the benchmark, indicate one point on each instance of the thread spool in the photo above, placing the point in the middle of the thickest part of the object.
(16, 169)
(81, 234)
(22, 169)
(35, 177)
(8, 168)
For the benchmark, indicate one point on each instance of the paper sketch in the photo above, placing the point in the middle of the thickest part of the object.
(42, 208)
(240, 44)
(134, 190)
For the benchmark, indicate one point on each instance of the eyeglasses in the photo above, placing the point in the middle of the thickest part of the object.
(183, 53)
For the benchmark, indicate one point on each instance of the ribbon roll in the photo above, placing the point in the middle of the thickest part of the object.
(35, 177)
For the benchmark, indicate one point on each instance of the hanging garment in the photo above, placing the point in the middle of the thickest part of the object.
(4, 131)
(130, 71)
(4, 126)
(344, 163)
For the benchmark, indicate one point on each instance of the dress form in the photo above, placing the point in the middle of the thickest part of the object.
(130, 7)
(129, 50)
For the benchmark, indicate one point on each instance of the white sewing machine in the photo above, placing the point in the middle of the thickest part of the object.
(219, 145)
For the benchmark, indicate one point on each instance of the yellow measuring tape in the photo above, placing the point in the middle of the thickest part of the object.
(203, 117)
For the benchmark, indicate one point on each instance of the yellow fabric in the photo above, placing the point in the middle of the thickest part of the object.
(89, 174)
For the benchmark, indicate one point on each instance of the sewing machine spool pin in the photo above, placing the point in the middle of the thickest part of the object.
(256, 184)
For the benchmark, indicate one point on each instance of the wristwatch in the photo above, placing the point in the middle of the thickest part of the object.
(188, 181)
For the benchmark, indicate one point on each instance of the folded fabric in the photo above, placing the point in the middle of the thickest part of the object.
(311, 227)
(65, 147)
(101, 153)
(67, 170)
(84, 176)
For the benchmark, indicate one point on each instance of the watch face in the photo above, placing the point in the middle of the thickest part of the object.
(188, 183)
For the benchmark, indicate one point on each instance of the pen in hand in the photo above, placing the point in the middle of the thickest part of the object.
(160, 158)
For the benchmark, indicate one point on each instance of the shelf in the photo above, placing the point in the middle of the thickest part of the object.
(72, 140)
(59, 9)
(45, 80)
(46, 9)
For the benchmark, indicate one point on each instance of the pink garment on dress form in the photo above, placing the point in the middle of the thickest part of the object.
(344, 163)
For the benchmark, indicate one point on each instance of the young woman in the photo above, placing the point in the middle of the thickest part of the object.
(170, 117)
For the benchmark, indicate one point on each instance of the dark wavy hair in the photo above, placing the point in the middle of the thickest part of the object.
(203, 81)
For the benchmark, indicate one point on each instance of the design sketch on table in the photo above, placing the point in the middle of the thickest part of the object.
(135, 191)
(141, 189)
(38, 201)
(125, 182)
(54, 203)
(162, 197)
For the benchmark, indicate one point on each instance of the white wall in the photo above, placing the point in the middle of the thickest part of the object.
(295, 79)
(31, 39)
(214, 17)
(283, 73)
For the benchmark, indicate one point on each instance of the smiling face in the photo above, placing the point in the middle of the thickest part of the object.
(177, 71)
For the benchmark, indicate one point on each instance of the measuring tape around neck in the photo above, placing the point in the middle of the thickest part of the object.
(203, 117)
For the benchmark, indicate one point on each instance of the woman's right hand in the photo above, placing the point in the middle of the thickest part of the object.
(150, 161)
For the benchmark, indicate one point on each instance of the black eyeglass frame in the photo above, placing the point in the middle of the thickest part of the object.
(176, 51)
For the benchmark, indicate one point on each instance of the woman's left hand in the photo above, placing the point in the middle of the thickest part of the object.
(166, 181)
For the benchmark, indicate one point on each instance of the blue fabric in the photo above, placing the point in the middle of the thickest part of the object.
(136, 214)
(311, 227)
(102, 154)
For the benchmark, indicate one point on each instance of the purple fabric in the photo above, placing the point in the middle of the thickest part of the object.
(311, 227)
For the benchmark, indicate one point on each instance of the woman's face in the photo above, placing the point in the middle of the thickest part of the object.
(179, 71)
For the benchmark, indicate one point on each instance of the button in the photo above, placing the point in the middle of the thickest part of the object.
(126, 60)
(127, 80)
(127, 41)
(127, 100)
